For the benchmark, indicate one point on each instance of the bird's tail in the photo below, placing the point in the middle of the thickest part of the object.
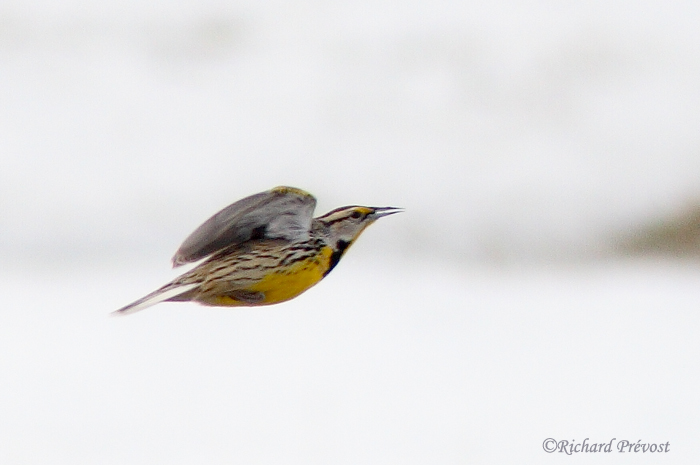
(168, 292)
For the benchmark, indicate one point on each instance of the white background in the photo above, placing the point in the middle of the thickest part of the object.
(523, 139)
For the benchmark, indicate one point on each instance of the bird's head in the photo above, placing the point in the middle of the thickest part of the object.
(345, 224)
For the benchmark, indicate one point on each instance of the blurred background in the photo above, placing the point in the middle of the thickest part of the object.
(543, 282)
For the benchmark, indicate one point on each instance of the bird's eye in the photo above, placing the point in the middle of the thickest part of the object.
(355, 215)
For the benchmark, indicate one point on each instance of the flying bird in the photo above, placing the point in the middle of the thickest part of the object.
(262, 250)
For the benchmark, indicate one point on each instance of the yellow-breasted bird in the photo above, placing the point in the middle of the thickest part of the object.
(262, 250)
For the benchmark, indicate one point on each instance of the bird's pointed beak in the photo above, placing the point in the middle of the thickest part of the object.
(385, 211)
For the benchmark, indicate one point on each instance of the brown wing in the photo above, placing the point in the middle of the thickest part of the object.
(280, 213)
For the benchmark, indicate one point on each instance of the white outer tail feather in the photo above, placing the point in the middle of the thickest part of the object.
(153, 298)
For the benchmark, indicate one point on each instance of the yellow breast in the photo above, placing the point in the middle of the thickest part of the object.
(286, 282)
